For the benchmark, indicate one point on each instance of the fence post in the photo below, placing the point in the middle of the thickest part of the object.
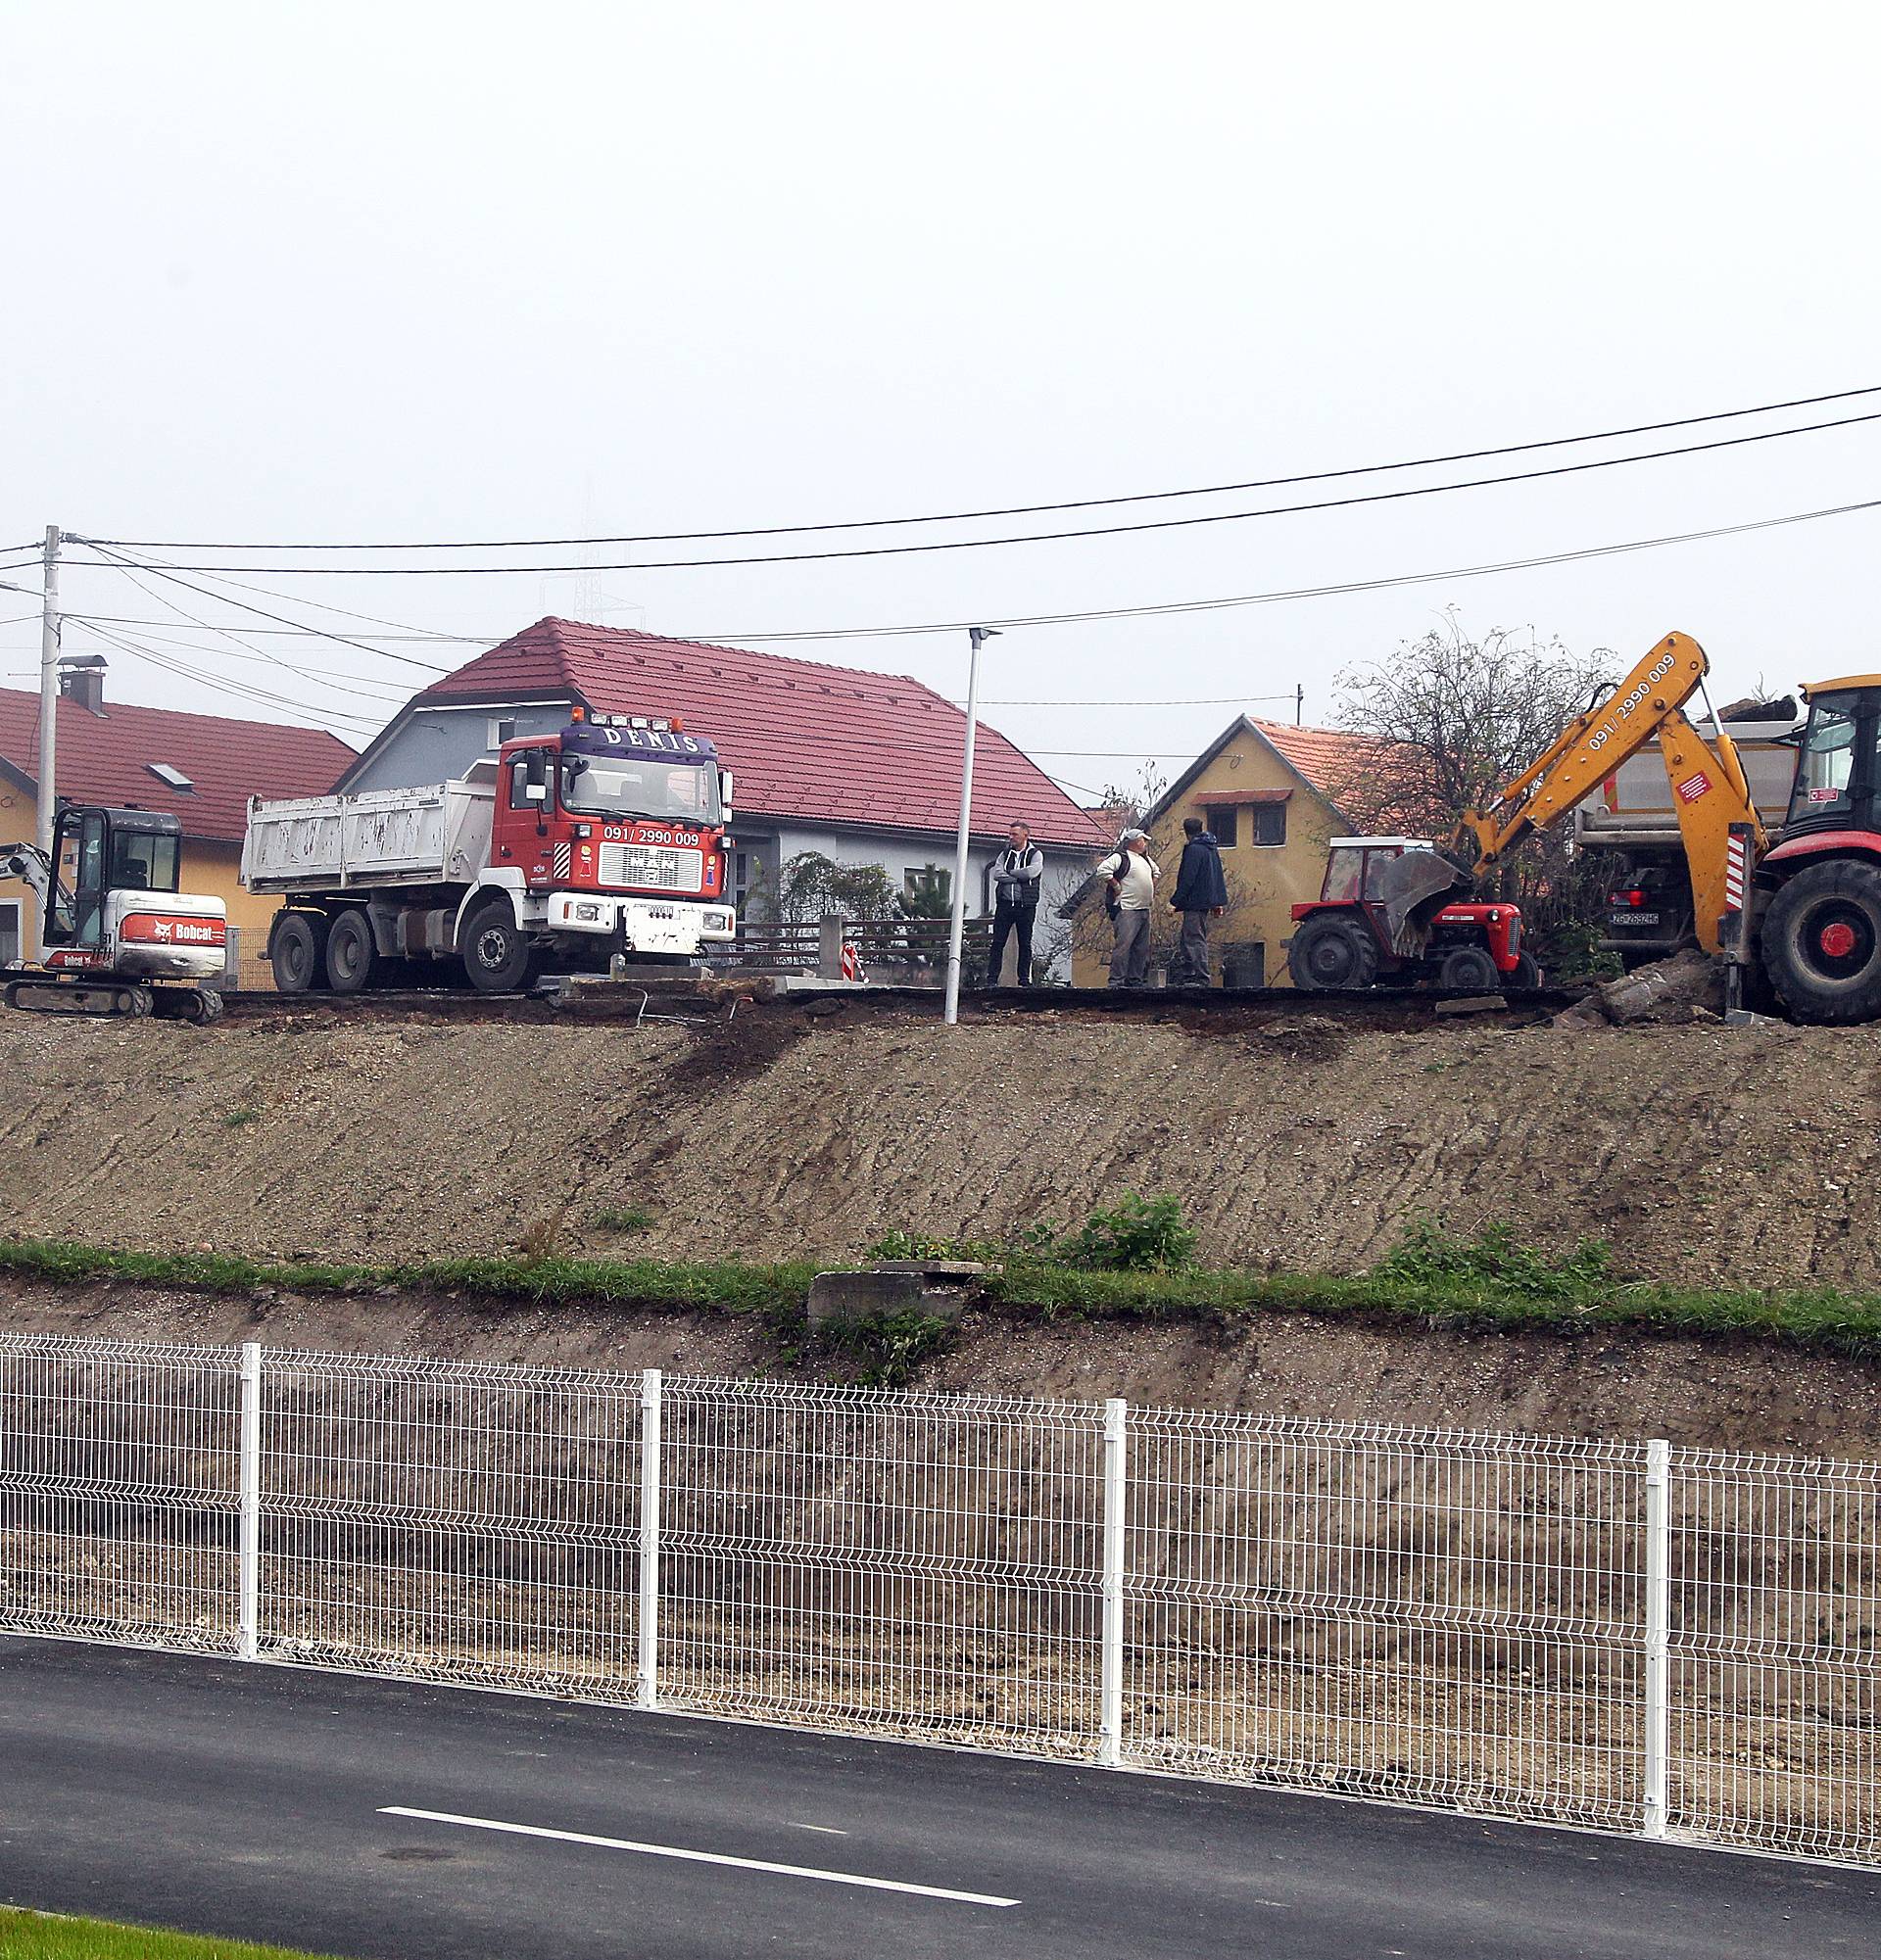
(1659, 1627)
(249, 1495)
(1111, 1722)
(829, 945)
(650, 1399)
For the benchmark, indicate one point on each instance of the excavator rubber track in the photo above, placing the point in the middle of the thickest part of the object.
(106, 999)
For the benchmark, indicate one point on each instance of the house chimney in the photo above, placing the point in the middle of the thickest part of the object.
(81, 679)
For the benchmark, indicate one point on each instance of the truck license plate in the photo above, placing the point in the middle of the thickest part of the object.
(1633, 918)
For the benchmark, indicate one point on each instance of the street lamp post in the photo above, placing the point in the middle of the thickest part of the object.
(956, 929)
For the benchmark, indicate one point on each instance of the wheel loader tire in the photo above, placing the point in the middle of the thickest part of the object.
(1526, 973)
(1333, 955)
(1469, 970)
(498, 957)
(297, 951)
(1821, 942)
(350, 954)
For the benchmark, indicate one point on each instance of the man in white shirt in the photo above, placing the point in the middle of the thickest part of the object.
(1016, 874)
(1131, 876)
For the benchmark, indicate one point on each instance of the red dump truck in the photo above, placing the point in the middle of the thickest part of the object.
(603, 839)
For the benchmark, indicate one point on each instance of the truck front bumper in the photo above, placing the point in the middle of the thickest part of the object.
(643, 925)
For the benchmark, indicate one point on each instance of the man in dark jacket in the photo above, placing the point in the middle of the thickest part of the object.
(1016, 874)
(1200, 895)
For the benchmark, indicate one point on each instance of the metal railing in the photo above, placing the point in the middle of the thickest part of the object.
(907, 952)
(1618, 1635)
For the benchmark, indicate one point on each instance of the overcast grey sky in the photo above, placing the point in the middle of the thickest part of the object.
(407, 270)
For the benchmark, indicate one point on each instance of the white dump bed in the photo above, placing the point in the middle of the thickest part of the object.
(437, 834)
(1634, 805)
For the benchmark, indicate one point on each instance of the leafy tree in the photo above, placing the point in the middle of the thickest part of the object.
(810, 884)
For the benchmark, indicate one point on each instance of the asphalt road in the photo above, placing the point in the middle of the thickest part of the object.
(380, 1820)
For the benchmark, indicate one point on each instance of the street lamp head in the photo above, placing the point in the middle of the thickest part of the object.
(980, 635)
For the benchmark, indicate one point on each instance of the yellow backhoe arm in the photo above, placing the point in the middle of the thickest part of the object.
(1586, 752)
(1708, 791)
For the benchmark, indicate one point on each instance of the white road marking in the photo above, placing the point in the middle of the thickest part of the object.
(694, 1857)
(828, 1830)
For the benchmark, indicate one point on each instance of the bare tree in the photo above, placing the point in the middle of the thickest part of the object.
(1456, 718)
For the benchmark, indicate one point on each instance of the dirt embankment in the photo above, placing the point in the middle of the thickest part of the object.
(1702, 1153)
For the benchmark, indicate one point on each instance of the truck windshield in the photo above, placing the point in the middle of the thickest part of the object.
(640, 786)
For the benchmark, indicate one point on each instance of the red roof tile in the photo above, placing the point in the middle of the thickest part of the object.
(1349, 769)
(105, 759)
(807, 740)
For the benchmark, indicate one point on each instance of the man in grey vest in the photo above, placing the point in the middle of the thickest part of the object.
(1016, 873)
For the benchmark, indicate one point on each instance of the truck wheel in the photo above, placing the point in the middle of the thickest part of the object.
(496, 953)
(1469, 970)
(350, 954)
(297, 950)
(1821, 942)
(1333, 955)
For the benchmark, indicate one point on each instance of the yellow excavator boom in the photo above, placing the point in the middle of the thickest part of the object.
(1709, 791)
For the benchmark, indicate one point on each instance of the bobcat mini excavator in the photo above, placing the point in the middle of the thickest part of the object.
(116, 934)
(1799, 910)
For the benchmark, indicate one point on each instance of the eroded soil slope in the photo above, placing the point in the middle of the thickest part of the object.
(1702, 1153)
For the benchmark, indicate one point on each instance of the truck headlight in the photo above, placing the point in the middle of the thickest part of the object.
(587, 911)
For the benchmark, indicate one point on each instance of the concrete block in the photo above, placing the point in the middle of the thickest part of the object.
(1475, 1003)
(900, 1288)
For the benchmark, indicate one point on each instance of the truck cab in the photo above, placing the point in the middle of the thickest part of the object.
(617, 827)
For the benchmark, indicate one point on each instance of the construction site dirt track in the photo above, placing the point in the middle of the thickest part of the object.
(1741, 1155)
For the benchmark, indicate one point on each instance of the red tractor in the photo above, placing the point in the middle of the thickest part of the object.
(1352, 935)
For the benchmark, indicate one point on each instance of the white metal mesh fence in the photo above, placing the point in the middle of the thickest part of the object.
(1606, 1634)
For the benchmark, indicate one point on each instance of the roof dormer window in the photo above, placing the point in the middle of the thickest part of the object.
(172, 778)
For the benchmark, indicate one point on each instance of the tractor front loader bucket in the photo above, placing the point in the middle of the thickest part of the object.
(1413, 889)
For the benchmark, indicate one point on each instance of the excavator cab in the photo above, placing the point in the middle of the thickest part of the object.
(1838, 774)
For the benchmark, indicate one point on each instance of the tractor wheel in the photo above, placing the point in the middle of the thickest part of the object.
(1469, 970)
(1329, 954)
(1821, 942)
(297, 950)
(350, 954)
(1526, 973)
(496, 954)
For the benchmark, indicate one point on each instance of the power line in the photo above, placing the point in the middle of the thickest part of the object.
(424, 666)
(1016, 510)
(1195, 701)
(1032, 537)
(1304, 592)
(252, 653)
(236, 688)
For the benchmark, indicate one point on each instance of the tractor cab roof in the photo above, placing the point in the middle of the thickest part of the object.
(1811, 688)
(127, 817)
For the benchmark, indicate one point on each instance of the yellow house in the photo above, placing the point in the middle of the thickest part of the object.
(1268, 793)
(201, 768)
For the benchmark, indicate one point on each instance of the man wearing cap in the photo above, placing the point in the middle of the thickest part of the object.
(1132, 875)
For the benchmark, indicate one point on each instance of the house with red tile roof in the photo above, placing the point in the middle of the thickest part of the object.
(201, 768)
(1274, 796)
(861, 767)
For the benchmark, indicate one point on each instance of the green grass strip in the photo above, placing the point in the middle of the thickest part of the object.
(33, 1935)
(1485, 1286)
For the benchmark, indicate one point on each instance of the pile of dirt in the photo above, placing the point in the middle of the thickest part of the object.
(1703, 1153)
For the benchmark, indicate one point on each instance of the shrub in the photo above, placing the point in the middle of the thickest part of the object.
(1428, 1254)
(625, 1218)
(1139, 1235)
